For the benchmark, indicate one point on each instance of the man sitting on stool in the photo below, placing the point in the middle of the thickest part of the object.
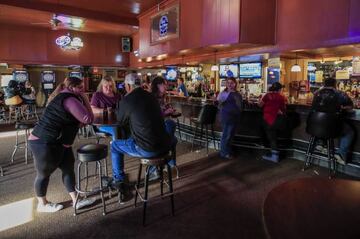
(330, 100)
(139, 111)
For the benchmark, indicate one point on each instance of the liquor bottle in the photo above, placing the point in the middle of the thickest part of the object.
(105, 114)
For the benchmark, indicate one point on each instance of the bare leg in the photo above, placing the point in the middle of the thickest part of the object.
(73, 197)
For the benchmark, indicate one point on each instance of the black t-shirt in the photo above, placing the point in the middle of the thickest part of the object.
(330, 100)
(141, 111)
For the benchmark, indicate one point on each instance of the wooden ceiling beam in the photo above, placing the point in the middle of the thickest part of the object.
(71, 11)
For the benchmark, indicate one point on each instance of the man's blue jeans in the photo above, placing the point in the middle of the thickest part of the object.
(128, 146)
(228, 133)
(347, 136)
(110, 130)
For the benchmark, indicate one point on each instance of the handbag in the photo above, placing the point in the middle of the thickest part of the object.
(15, 100)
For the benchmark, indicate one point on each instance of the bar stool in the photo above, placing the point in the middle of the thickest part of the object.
(206, 118)
(15, 112)
(22, 145)
(325, 126)
(159, 163)
(30, 111)
(176, 116)
(2, 113)
(86, 154)
(99, 136)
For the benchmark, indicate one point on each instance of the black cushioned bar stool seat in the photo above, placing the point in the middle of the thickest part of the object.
(206, 118)
(92, 152)
(159, 162)
(327, 127)
(86, 154)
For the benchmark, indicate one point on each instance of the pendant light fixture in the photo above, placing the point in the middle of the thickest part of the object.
(215, 67)
(296, 67)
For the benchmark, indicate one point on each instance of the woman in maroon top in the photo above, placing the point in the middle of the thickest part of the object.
(274, 106)
(106, 98)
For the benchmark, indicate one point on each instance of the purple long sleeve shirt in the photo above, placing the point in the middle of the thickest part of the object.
(76, 109)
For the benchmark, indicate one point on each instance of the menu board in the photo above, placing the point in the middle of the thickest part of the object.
(356, 66)
(342, 75)
(319, 76)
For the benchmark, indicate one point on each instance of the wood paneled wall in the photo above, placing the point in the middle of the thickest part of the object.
(312, 24)
(26, 45)
(211, 22)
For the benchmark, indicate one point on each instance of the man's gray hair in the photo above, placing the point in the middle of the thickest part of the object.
(133, 80)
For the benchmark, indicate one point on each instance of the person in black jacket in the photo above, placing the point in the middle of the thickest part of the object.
(330, 100)
(51, 140)
(139, 111)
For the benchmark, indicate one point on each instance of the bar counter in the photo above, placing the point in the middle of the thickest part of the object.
(250, 129)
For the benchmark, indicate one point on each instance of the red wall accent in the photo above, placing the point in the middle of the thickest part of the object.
(258, 21)
(26, 45)
(210, 22)
(220, 23)
(354, 27)
(310, 23)
(190, 30)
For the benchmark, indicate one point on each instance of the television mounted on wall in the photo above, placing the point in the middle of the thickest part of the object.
(231, 70)
(251, 70)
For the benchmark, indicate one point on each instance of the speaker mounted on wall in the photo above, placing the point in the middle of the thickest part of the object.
(126, 44)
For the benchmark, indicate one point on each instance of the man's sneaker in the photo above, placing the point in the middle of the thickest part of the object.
(85, 202)
(273, 157)
(321, 149)
(117, 185)
(106, 181)
(339, 159)
(49, 207)
(225, 157)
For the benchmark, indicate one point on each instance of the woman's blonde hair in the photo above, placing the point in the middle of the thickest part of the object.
(106, 79)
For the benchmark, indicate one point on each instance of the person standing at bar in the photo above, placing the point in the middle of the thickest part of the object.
(330, 100)
(105, 98)
(52, 138)
(231, 105)
(274, 109)
(181, 88)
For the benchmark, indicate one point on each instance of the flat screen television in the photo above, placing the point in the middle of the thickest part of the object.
(229, 71)
(75, 74)
(250, 70)
(171, 73)
(120, 85)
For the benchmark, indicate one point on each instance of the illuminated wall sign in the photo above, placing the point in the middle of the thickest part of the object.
(69, 43)
(165, 25)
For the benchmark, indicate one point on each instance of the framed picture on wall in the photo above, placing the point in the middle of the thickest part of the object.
(165, 25)
(121, 73)
(110, 73)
